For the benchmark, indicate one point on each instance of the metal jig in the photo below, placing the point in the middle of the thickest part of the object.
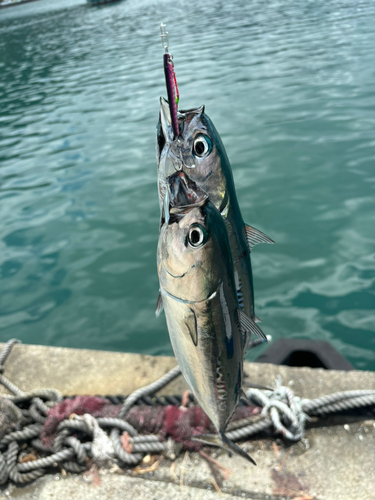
(170, 80)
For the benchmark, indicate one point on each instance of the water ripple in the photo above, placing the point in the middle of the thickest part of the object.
(289, 86)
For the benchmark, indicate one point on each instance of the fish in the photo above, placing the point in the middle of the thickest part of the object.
(198, 291)
(198, 151)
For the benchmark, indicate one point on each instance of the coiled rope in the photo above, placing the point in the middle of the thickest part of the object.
(81, 439)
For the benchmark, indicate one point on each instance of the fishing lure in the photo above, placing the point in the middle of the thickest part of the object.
(170, 80)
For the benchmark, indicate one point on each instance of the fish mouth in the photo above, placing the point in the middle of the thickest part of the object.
(183, 274)
(184, 193)
(164, 130)
(177, 276)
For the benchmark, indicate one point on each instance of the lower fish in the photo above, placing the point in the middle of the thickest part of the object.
(208, 329)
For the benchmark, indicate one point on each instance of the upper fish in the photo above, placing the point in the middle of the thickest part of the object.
(198, 151)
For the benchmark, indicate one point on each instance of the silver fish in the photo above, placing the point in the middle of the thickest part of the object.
(198, 290)
(199, 152)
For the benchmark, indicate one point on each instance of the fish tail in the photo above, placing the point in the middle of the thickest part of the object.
(222, 441)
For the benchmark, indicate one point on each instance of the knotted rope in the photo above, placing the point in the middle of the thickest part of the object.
(78, 440)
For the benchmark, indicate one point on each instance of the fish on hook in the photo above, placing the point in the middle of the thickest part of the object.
(198, 291)
(198, 151)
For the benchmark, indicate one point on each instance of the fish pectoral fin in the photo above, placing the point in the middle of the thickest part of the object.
(249, 325)
(254, 236)
(192, 326)
(223, 442)
(159, 305)
(250, 385)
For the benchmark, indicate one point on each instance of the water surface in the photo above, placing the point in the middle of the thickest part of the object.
(290, 87)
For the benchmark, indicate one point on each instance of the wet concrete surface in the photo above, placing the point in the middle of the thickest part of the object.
(335, 460)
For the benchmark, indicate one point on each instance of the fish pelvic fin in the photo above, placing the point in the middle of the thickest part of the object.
(159, 305)
(254, 236)
(222, 441)
(249, 325)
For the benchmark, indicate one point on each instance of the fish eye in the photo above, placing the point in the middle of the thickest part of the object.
(197, 236)
(202, 146)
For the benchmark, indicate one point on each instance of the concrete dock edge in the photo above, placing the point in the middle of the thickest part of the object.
(335, 461)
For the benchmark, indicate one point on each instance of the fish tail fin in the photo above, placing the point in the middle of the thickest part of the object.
(222, 441)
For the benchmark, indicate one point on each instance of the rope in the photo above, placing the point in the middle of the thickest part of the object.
(249, 430)
(348, 404)
(3, 469)
(116, 422)
(6, 351)
(59, 440)
(149, 447)
(14, 475)
(27, 433)
(33, 412)
(150, 401)
(287, 414)
(81, 437)
(60, 456)
(74, 467)
(313, 404)
(149, 389)
(51, 395)
(150, 438)
(122, 455)
(11, 387)
(77, 425)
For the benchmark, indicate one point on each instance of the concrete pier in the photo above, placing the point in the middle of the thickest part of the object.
(333, 462)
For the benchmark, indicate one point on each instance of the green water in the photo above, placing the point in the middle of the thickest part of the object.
(290, 87)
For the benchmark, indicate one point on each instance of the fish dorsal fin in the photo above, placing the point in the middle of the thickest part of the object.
(254, 236)
(159, 305)
(181, 113)
(200, 110)
(249, 325)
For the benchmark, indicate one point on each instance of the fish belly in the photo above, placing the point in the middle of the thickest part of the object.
(212, 376)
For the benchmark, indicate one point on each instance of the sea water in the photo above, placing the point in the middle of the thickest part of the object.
(289, 86)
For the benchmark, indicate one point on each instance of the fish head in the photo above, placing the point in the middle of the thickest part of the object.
(190, 252)
(197, 151)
